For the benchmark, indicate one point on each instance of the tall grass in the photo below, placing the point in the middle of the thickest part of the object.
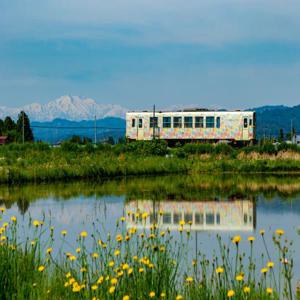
(136, 264)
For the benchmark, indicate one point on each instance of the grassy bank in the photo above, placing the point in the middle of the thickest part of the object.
(42, 163)
(135, 264)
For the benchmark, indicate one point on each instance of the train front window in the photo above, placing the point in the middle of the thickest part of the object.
(250, 122)
(153, 122)
(166, 122)
(218, 122)
(245, 122)
(199, 122)
(140, 123)
(210, 122)
(188, 122)
(177, 122)
(133, 123)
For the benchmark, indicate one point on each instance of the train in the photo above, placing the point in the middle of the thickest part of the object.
(197, 125)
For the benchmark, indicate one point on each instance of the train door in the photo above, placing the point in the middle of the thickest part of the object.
(140, 128)
(245, 129)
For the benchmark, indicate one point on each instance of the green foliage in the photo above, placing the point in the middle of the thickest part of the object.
(23, 120)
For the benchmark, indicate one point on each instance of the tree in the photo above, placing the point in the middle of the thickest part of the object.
(281, 135)
(1, 127)
(9, 124)
(23, 120)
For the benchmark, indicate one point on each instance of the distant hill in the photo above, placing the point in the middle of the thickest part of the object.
(60, 129)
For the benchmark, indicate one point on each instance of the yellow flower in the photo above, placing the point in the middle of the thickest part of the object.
(119, 238)
(36, 223)
(126, 297)
(94, 287)
(189, 279)
(64, 232)
(251, 239)
(181, 223)
(114, 281)
(129, 271)
(270, 264)
(95, 255)
(219, 270)
(112, 289)
(246, 289)
(269, 291)
(111, 263)
(68, 275)
(145, 215)
(82, 270)
(264, 270)
(78, 250)
(230, 293)
(5, 224)
(100, 280)
(152, 294)
(83, 234)
(49, 250)
(239, 277)
(162, 233)
(179, 297)
(117, 252)
(122, 219)
(14, 219)
(76, 288)
(125, 266)
(41, 268)
(280, 232)
(141, 270)
(2, 209)
(262, 232)
(3, 238)
(236, 239)
(72, 258)
(162, 295)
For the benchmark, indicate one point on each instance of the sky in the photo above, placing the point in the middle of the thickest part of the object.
(208, 53)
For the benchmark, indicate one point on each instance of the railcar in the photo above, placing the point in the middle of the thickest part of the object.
(192, 125)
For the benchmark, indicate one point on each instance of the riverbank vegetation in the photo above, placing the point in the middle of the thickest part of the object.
(136, 264)
(39, 162)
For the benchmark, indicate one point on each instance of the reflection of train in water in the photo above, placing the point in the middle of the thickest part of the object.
(204, 215)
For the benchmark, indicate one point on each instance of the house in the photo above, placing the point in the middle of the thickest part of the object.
(3, 140)
(296, 139)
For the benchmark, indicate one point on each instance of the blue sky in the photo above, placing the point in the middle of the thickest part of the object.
(218, 54)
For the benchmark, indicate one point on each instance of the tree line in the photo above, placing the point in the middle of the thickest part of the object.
(14, 130)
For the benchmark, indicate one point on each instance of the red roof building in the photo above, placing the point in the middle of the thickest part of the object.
(3, 140)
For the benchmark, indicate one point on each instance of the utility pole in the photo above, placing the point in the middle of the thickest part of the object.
(95, 131)
(153, 123)
(23, 127)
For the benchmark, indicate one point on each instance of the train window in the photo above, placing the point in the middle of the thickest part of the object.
(250, 122)
(218, 219)
(218, 122)
(166, 122)
(153, 122)
(210, 218)
(132, 122)
(176, 218)
(210, 122)
(199, 122)
(167, 218)
(188, 217)
(140, 123)
(199, 218)
(177, 122)
(188, 122)
(245, 122)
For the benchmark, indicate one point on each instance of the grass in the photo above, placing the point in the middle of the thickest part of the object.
(135, 264)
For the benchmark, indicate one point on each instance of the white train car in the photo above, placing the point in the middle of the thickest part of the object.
(192, 125)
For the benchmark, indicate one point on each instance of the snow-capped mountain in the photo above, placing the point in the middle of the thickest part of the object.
(66, 107)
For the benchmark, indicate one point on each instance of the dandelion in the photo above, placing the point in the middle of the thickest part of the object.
(236, 239)
(117, 253)
(122, 219)
(49, 250)
(181, 223)
(111, 263)
(100, 279)
(270, 264)
(73, 258)
(239, 277)
(189, 279)
(126, 297)
(162, 233)
(219, 270)
(145, 215)
(94, 287)
(41, 268)
(230, 293)
(95, 255)
(141, 270)
(125, 266)
(246, 289)
(78, 250)
(2, 209)
(262, 232)
(119, 238)
(280, 232)
(114, 281)
(251, 239)
(76, 288)
(264, 270)
(82, 270)
(13, 219)
(36, 223)
(83, 234)
(112, 289)
(163, 295)
(64, 232)
(179, 297)
(68, 275)
(152, 294)
(269, 291)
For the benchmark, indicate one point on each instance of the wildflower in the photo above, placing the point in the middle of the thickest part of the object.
(112, 289)
(2, 209)
(127, 238)
(230, 293)
(94, 287)
(64, 232)
(219, 270)
(119, 238)
(251, 239)
(34, 284)
(152, 294)
(135, 257)
(270, 264)
(179, 297)
(280, 232)
(264, 270)
(129, 271)
(236, 239)
(269, 291)
(66, 284)
(72, 258)
(76, 288)
(246, 289)
(32, 243)
(49, 250)
(111, 263)
(262, 232)
(78, 250)
(3, 238)
(14, 219)
(125, 267)
(239, 277)
(68, 275)
(141, 270)
(120, 273)
(162, 295)
(117, 252)
(126, 297)
(122, 219)
(162, 233)
(100, 280)
(36, 223)
(114, 281)
(83, 234)
(145, 215)
(41, 268)
(82, 270)
(95, 255)
(189, 279)
(181, 223)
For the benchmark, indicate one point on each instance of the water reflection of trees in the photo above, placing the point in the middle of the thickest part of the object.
(175, 188)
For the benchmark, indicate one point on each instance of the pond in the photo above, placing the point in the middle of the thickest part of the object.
(226, 205)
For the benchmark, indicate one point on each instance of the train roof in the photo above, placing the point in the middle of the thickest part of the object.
(191, 110)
